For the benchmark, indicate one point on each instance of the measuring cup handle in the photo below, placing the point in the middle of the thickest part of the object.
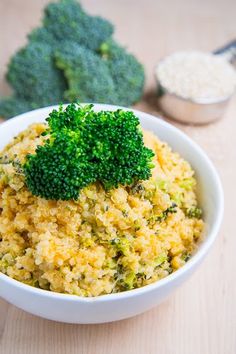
(228, 51)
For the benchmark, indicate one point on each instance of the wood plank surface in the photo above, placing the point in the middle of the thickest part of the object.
(200, 318)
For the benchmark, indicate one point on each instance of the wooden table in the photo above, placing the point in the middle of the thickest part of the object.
(200, 318)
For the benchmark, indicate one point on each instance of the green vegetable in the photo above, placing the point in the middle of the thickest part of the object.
(122, 245)
(82, 147)
(71, 57)
(186, 256)
(137, 188)
(188, 183)
(129, 280)
(87, 75)
(161, 259)
(162, 184)
(177, 197)
(171, 210)
(66, 20)
(11, 106)
(34, 77)
(42, 35)
(127, 73)
(194, 212)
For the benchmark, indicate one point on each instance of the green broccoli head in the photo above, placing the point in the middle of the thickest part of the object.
(126, 72)
(88, 76)
(34, 77)
(60, 168)
(118, 149)
(66, 20)
(42, 35)
(11, 106)
(82, 147)
(72, 56)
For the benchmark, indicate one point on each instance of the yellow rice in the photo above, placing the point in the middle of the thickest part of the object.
(107, 241)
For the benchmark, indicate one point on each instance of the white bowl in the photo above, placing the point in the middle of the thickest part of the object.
(113, 307)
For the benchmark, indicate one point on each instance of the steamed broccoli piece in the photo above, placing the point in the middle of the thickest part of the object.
(60, 168)
(120, 152)
(127, 73)
(66, 20)
(12, 106)
(88, 76)
(34, 77)
(82, 147)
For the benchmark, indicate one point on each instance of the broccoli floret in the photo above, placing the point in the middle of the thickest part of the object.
(87, 74)
(34, 76)
(120, 152)
(171, 210)
(82, 147)
(12, 106)
(66, 20)
(126, 71)
(42, 35)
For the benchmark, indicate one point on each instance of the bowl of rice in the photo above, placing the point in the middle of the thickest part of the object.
(110, 254)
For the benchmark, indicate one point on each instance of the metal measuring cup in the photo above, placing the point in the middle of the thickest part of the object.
(196, 111)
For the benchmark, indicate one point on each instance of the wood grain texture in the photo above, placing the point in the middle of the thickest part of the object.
(200, 318)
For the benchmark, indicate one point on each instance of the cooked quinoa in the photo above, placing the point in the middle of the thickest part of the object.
(106, 241)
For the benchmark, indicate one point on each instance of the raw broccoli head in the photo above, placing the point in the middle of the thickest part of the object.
(88, 76)
(72, 56)
(42, 35)
(127, 73)
(82, 147)
(34, 76)
(66, 20)
(11, 106)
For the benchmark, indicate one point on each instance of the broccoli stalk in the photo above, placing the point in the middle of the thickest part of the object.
(82, 147)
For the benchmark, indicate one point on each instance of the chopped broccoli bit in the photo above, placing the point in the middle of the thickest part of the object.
(186, 256)
(82, 147)
(161, 259)
(171, 210)
(129, 280)
(194, 212)
(125, 278)
(188, 183)
(122, 245)
(162, 184)
(125, 213)
(177, 197)
(138, 188)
